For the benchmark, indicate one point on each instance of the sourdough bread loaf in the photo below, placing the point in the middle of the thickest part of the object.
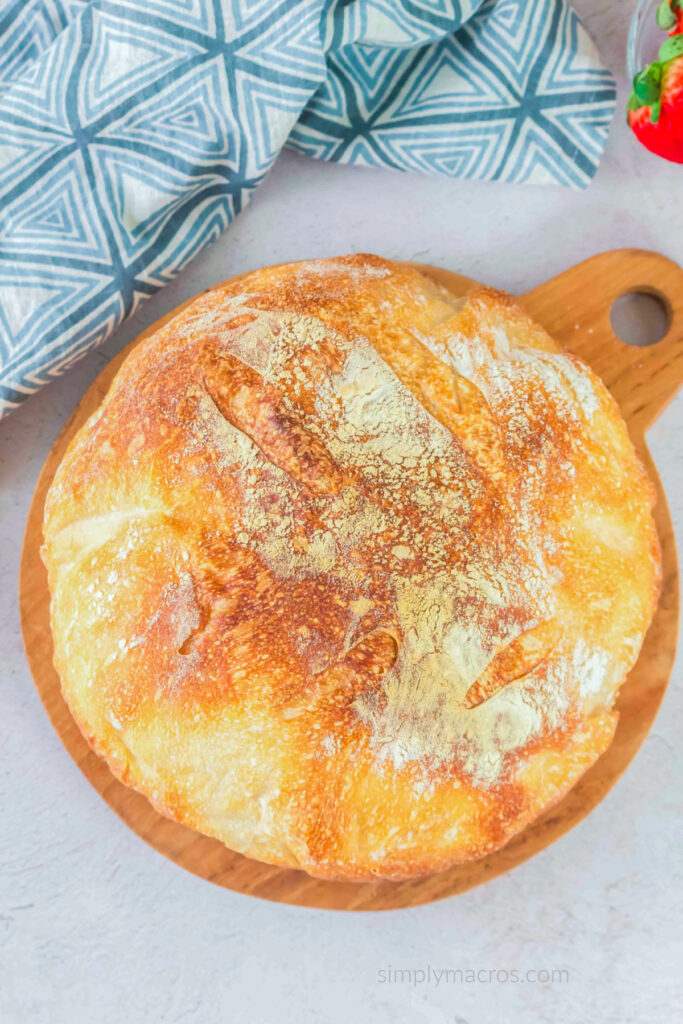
(346, 570)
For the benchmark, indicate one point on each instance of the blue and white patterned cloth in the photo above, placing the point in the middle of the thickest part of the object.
(133, 131)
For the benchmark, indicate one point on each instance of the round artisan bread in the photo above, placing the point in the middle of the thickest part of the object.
(347, 570)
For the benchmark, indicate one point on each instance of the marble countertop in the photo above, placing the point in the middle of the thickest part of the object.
(95, 925)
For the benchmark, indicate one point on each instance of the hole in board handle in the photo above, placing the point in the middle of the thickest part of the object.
(640, 318)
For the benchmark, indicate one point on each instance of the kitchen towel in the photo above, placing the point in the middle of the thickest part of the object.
(133, 131)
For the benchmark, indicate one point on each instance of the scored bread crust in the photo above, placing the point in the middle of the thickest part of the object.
(346, 570)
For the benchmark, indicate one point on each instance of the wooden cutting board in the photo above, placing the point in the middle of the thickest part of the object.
(575, 308)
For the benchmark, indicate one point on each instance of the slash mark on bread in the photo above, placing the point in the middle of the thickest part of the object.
(256, 409)
(358, 671)
(519, 658)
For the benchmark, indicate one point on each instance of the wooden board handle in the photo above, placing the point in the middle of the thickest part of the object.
(575, 308)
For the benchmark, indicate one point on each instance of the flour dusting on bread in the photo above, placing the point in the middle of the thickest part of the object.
(342, 568)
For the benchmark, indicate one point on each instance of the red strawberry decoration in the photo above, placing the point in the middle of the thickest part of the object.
(655, 108)
(670, 16)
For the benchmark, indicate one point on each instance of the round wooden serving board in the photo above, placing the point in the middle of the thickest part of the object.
(575, 308)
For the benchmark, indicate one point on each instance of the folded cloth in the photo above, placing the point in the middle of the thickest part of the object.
(133, 131)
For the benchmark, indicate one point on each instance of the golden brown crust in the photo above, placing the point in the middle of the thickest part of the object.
(347, 571)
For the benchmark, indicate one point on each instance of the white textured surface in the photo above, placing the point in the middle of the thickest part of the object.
(96, 926)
